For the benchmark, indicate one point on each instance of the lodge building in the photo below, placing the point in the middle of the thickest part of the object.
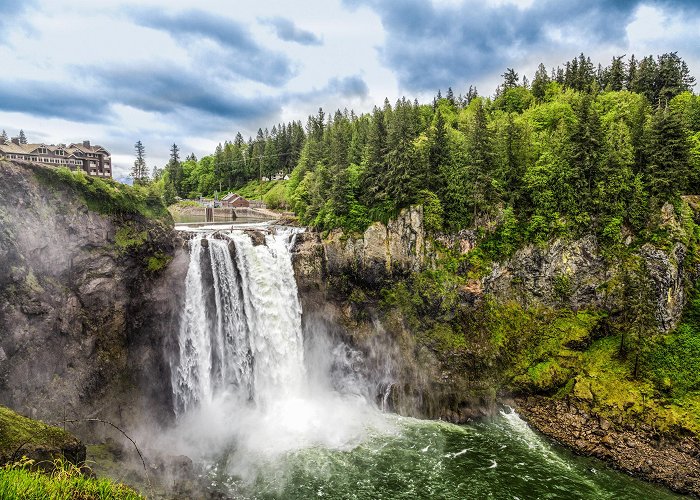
(93, 160)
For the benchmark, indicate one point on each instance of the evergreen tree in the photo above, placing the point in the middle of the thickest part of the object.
(540, 82)
(472, 94)
(175, 173)
(450, 96)
(638, 313)
(139, 172)
(3, 137)
(585, 142)
(22, 137)
(374, 180)
(631, 79)
(616, 76)
(481, 190)
(438, 158)
(510, 79)
(668, 167)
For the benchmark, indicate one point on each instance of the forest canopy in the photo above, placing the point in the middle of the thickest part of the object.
(576, 147)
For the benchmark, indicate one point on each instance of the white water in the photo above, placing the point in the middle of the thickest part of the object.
(242, 384)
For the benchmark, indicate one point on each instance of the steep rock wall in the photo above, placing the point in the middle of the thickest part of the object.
(86, 302)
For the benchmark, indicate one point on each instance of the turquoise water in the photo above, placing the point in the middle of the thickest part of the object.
(501, 458)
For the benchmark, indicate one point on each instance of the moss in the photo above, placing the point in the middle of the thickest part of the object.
(32, 283)
(17, 431)
(158, 262)
(443, 339)
(548, 375)
(128, 237)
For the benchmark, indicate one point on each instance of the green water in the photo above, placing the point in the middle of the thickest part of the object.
(501, 458)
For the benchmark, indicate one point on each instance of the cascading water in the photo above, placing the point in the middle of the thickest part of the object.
(241, 330)
(241, 376)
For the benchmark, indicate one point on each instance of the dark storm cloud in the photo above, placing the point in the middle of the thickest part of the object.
(242, 55)
(48, 100)
(165, 88)
(286, 30)
(183, 96)
(431, 46)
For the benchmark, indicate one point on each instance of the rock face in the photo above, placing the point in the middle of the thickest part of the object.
(382, 251)
(575, 275)
(562, 273)
(85, 304)
(405, 376)
(638, 452)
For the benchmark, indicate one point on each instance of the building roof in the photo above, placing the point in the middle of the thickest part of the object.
(28, 149)
(231, 197)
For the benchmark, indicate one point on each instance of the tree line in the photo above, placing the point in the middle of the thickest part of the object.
(575, 147)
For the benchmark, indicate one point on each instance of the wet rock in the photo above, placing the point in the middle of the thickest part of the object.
(673, 461)
(257, 237)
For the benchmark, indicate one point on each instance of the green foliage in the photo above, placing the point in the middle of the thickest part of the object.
(17, 431)
(158, 262)
(18, 481)
(104, 195)
(128, 237)
(674, 361)
(432, 210)
(580, 151)
(276, 197)
(562, 286)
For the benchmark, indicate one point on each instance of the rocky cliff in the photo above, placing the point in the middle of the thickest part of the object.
(89, 288)
(447, 333)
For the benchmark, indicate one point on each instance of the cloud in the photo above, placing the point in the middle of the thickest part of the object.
(433, 46)
(351, 86)
(165, 90)
(52, 100)
(286, 30)
(10, 14)
(242, 55)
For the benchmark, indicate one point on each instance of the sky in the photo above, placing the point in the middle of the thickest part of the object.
(196, 73)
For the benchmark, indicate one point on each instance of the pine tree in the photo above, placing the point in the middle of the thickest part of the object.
(175, 172)
(481, 191)
(585, 147)
(450, 96)
(631, 77)
(510, 79)
(668, 162)
(638, 313)
(438, 157)
(472, 94)
(139, 172)
(616, 75)
(22, 137)
(540, 82)
(3, 137)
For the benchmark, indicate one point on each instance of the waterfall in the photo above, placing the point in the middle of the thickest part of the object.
(240, 333)
(246, 383)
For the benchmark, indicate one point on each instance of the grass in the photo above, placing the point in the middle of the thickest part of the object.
(17, 431)
(253, 189)
(18, 481)
(105, 196)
